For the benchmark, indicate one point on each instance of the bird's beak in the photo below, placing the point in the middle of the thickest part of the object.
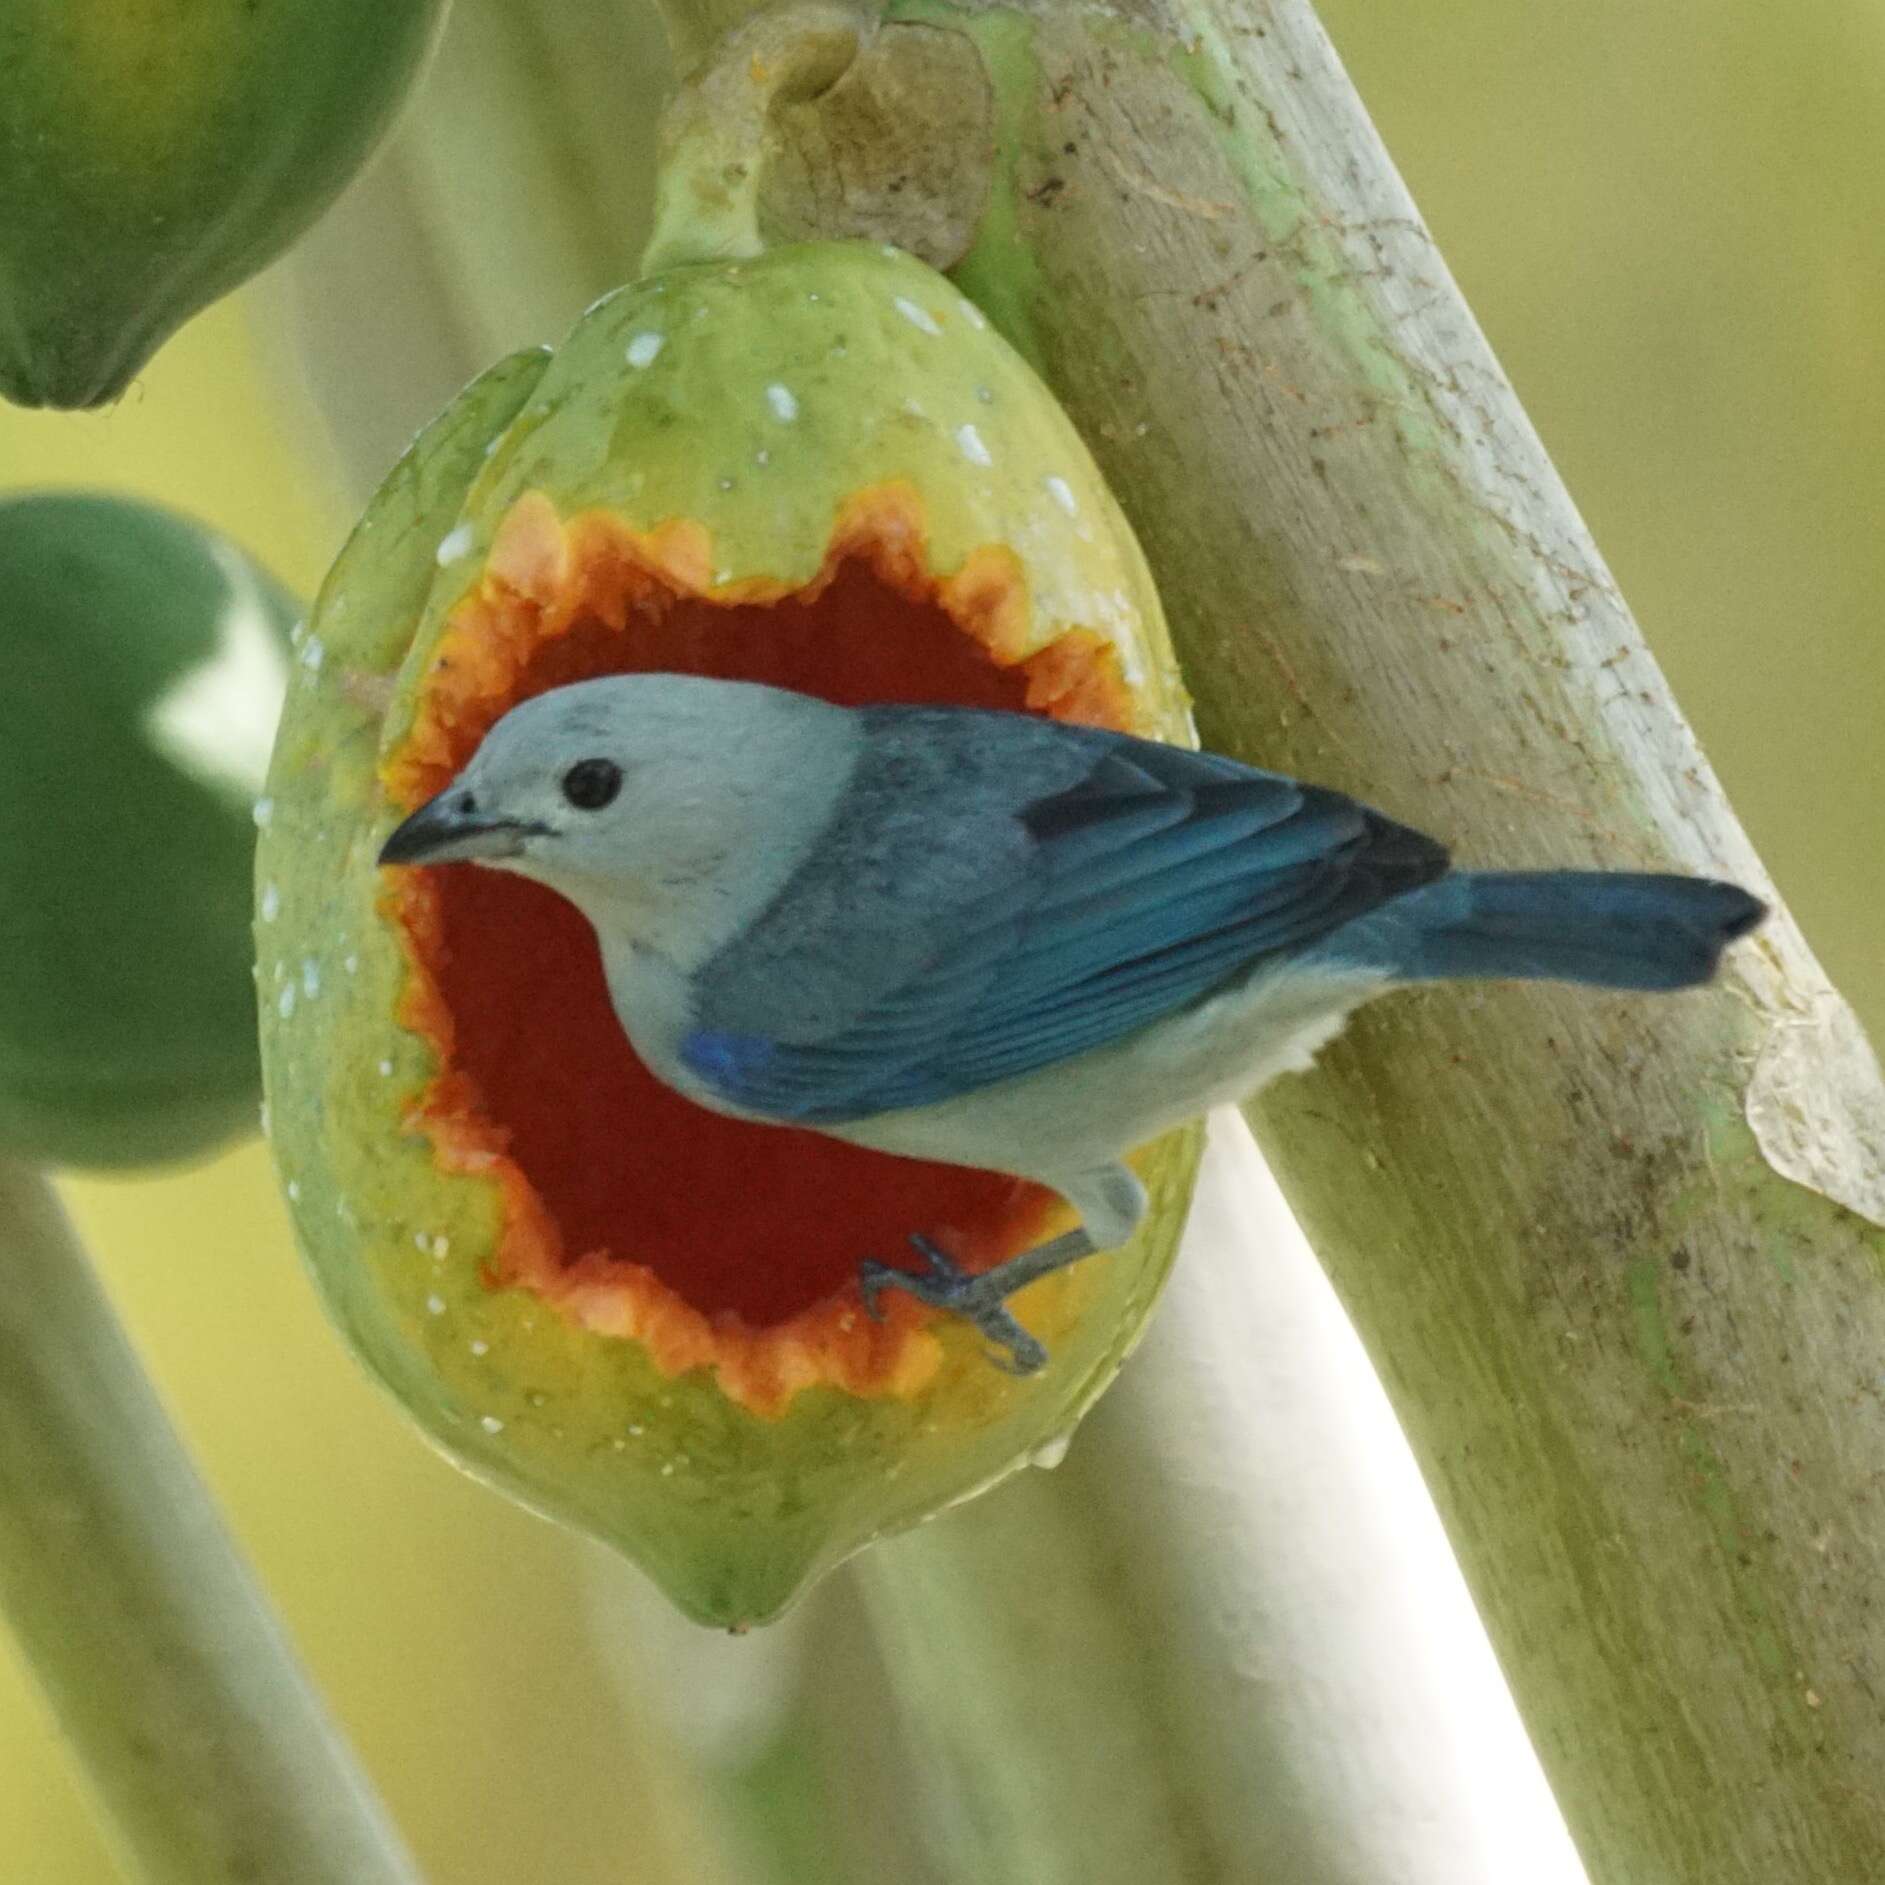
(440, 832)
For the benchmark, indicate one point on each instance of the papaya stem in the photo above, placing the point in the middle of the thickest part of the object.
(713, 135)
(202, 1739)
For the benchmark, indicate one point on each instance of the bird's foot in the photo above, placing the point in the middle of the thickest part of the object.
(979, 1299)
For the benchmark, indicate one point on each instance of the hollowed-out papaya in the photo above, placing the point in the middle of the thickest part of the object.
(817, 468)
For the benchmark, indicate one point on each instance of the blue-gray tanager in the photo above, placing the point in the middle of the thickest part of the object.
(995, 940)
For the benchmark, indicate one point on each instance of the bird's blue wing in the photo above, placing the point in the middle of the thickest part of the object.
(1000, 893)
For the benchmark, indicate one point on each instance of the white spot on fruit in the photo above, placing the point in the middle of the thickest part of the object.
(313, 653)
(490, 1423)
(644, 347)
(917, 317)
(481, 1347)
(310, 977)
(285, 1004)
(262, 811)
(974, 315)
(351, 964)
(973, 449)
(1062, 494)
(386, 1070)
(294, 1192)
(454, 545)
(271, 903)
(784, 406)
(435, 1305)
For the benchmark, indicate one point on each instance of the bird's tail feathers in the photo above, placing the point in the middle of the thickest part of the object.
(1611, 929)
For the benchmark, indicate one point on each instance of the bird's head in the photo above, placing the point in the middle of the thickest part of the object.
(631, 791)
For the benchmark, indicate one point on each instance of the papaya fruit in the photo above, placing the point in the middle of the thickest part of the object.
(155, 155)
(820, 468)
(142, 661)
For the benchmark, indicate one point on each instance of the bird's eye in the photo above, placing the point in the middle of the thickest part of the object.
(591, 783)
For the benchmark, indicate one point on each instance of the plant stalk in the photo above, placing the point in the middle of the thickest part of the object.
(213, 1759)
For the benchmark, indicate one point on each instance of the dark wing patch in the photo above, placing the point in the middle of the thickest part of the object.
(1067, 887)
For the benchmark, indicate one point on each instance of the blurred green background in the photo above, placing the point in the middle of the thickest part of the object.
(1671, 221)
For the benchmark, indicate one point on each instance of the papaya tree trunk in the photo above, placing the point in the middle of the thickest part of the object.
(213, 1759)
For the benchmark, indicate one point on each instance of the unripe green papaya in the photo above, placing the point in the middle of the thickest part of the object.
(142, 660)
(817, 468)
(153, 156)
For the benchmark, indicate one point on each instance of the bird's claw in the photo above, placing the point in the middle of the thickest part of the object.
(943, 1284)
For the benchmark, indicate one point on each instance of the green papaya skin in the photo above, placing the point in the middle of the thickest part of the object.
(141, 661)
(708, 448)
(154, 155)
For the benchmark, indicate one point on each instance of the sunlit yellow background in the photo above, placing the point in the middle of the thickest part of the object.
(1671, 221)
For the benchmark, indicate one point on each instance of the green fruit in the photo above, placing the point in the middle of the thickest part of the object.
(156, 153)
(141, 661)
(817, 468)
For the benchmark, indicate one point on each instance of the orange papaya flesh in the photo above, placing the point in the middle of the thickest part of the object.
(715, 1242)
